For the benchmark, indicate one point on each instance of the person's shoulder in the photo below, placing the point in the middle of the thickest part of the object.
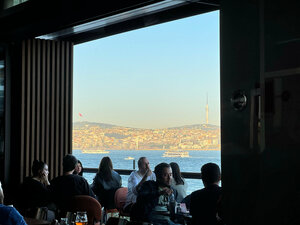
(55, 180)
(78, 178)
(198, 192)
(133, 173)
(149, 183)
(115, 173)
(173, 183)
(153, 177)
(152, 183)
(214, 187)
(29, 181)
(4, 208)
(10, 211)
(16, 216)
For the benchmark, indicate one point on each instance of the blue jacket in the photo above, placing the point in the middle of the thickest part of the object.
(10, 216)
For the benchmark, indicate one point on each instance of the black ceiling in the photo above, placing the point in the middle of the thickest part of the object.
(60, 17)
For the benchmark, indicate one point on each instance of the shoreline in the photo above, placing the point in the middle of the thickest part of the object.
(153, 149)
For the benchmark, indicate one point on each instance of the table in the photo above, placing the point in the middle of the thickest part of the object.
(32, 221)
(182, 218)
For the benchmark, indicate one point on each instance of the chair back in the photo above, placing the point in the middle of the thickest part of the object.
(88, 204)
(120, 197)
(41, 213)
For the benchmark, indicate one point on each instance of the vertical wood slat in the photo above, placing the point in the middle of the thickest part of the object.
(70, 86)
(57, 103)
(46, 130)
(33, 100)
(47, 109)
(62, 105)
(39, 75)
(27, 106)
(43, 100)
(22, 149)
(52, 98)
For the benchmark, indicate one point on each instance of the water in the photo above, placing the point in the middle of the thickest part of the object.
(118, 157)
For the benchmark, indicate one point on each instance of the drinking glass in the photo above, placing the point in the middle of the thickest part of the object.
(81, 218)
(64, 221)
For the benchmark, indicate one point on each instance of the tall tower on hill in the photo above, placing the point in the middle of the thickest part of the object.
(206, 108)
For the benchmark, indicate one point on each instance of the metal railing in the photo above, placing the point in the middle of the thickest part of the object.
(188, 175)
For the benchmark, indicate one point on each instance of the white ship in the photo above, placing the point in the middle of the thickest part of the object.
(129, 158)
(176, 153)
(94, 151)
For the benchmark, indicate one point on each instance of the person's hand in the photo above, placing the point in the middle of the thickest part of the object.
(166, 191)
(44, 179)
(148, 173)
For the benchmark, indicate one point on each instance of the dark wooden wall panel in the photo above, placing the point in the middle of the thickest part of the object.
(46, 129)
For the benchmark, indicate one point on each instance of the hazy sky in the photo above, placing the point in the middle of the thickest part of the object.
(154, 77)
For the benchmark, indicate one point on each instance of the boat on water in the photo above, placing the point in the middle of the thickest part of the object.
(176, 153)
(94, 151)
(129, 158)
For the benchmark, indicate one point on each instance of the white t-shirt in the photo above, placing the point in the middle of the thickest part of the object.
(180, 188)
(133, 180)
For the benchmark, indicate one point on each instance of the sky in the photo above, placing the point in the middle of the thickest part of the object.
(154, 77)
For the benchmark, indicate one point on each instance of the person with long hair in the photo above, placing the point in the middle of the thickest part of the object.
(35, 189)
(178, 183)
(78, 169)
(106, 182)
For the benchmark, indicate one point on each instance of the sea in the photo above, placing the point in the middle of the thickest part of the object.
(124, 159)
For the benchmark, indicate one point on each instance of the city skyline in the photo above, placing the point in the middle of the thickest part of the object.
(152, 77)
(99, 136)
(116, 125)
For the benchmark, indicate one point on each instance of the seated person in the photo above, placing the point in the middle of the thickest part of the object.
(178, 183)
(105, 183)
(78, 169)
(68, 185)
(204, 202)
(154, 196)
(135, 181)
(35, 191)
(8, 214)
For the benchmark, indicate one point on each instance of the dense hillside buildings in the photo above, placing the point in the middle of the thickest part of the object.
(197, 137)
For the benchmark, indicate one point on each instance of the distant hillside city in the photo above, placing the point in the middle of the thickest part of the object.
(88, 135)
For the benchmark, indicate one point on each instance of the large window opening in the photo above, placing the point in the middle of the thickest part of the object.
(151, 92)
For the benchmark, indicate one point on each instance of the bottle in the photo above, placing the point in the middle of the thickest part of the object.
(172, 204)
(178, 209)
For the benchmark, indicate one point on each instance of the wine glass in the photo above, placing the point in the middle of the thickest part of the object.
(81, 218)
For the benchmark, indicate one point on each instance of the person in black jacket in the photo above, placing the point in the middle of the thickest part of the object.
(203, 206)
(35, 189)
(64, 187)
